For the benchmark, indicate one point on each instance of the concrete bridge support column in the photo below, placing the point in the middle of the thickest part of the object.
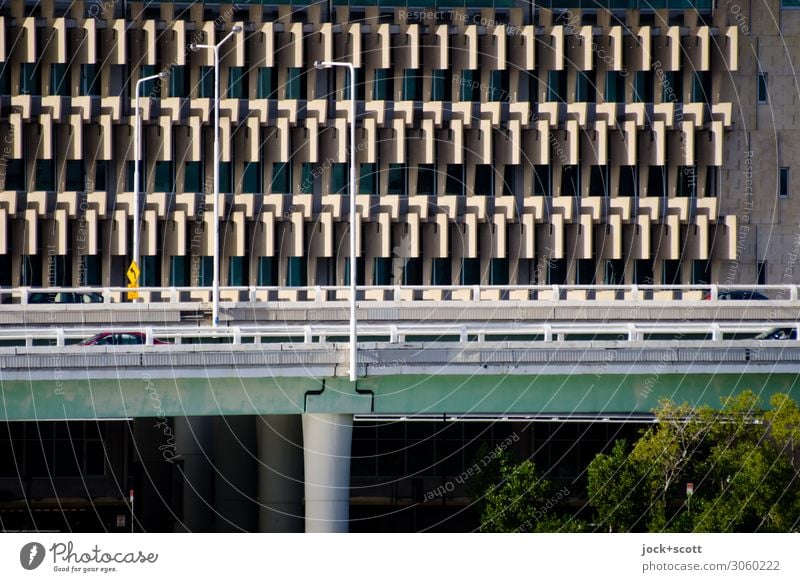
(195, 446)
(235, 486)
(327, 441)
(280, 473)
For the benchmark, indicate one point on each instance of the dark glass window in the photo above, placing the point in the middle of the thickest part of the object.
(307, 179)
(556, 85)
(266, 83)
(412, 85)
(440, 271)
(614, 272)
(412, 271)
(687, 181)
(541, 181)
(586, 89)
(267, 272)
(585, 271)
(45, 175)
(179, 271)
(59, 79)
(192, 177)
(672, 87)
(295, 84)
(75, 179)
(701, 272)
(441, 85)
(382, 273)
(498, 274)
(498, 86)
(643, 272)
(206, 275)
(426, 180)
(29, 83)
(147, 87)
(657, 181)
(296, 272)
(251, 178)
(237, 272)
(598, 181)
(484, 180)
(165, 177)
(643, 87)
(783, 182)
(672, 272)
(178, 82)
(237, 82)
(207, 82)
(281, 178)
(455, 180)
(570, 180)
(615, 87)
(14, 175)
(471, 271)
(763, 94)
(470, 90)
(360, 271)
(368, 180)
(398, 179)
(383, 86)
(628, 181)
(340, 179)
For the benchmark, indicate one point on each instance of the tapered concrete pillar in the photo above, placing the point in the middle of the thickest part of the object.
(195, 447)
(235, 478)
(280, 473)
(327, 441)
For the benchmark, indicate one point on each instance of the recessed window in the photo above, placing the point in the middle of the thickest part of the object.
(762, 87)
(761, 275)
(206, 82)
(398, 178)
(783, 191)
(281, 178)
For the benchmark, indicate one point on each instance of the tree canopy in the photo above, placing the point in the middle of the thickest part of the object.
(743, 462)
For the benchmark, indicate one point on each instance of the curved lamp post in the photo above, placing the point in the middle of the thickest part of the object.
(353, 338)
(137, 154)
(216, 47)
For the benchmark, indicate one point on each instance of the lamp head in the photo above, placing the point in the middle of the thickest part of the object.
(163, 75)
(236, 28)
(321, 65)
(193, 46)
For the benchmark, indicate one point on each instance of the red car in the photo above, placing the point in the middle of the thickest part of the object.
(119, 338)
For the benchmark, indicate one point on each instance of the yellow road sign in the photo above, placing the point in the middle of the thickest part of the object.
(133, 273)
(133, 295)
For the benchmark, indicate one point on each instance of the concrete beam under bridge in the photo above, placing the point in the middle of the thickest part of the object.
(557, 394)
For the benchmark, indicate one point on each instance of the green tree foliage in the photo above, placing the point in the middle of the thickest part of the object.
(743, 461)
(523, 501)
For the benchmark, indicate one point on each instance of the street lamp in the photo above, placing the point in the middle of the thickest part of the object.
(136, 163)
(353, 221)
(216, 47)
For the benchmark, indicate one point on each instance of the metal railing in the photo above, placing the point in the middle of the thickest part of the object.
(640, 331)
(402, 293)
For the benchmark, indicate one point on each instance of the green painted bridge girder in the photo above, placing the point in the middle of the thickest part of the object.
(397, 394)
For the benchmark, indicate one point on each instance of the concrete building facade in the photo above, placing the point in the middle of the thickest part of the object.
(503, 145)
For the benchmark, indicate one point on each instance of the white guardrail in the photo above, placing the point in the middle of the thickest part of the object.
(382, 333)
(88, 295)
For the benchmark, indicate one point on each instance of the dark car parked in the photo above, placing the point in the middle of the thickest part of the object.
(781, 333)
(65, 297)
(119, 338)
(738, 295)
